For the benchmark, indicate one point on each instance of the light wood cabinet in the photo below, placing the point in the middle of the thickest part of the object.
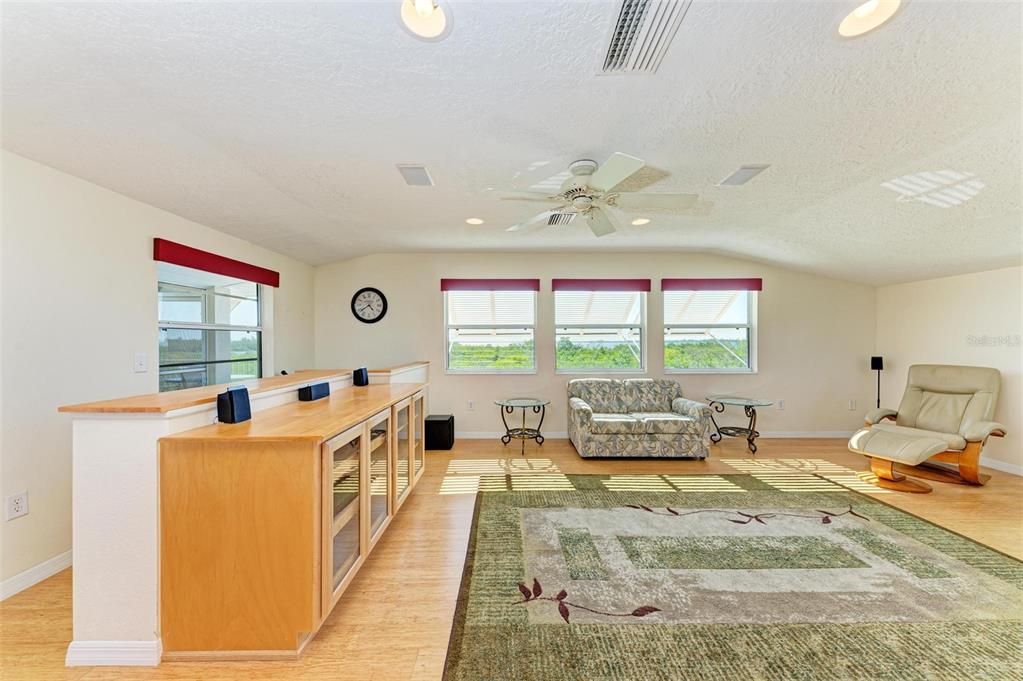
(419, 435)
(264, 524)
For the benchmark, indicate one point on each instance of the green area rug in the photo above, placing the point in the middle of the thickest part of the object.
(742, 581)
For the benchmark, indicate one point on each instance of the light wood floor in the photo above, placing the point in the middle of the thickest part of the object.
(393, 623)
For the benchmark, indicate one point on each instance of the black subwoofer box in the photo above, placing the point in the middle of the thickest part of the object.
(440, 431)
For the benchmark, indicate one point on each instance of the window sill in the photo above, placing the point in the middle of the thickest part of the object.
(492, 372)
(720, 372)
(600, 372)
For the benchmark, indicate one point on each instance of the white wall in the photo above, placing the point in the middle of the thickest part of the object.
(972, 319)
(78, 287)
(815, 334)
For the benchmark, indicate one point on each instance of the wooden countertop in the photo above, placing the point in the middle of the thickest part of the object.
(158, 403)
(313, 421)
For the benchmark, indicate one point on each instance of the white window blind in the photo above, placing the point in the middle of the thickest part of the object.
(490, 331)
(708, 330)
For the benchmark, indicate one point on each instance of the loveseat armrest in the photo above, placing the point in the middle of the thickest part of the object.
(690, 408)
(580, 409)
(877, 415)
(982, 430)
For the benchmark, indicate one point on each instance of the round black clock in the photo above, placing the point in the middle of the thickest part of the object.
(369, 305)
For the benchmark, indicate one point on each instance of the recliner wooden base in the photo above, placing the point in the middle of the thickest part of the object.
(888, 478)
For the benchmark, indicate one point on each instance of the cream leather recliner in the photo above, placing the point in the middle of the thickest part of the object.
(946, 416)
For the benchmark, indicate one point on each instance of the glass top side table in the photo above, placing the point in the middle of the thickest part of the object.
(508, 406)
(749, 406)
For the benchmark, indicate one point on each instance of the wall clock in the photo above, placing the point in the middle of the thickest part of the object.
(369, 305)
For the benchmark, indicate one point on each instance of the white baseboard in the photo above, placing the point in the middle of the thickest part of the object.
(114, 653)
(34, 575)
(1000, 466)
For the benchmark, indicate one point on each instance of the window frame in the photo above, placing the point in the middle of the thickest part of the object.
(483, 372)
(591, 371)
(209, 298)
(750, 326)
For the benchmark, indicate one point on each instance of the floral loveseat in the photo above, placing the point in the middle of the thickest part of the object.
(636, 417)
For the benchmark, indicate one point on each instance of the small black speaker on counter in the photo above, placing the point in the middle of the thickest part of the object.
(360, 377)
(440, 431)
(233, 406)
(312, 392)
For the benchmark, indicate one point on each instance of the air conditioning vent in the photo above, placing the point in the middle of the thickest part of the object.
(561, 219)
(642, 34)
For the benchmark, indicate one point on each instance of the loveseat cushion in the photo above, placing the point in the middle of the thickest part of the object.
(666, 423)
(615, 424)
(604, 395)
(952, 440)
(649, 394)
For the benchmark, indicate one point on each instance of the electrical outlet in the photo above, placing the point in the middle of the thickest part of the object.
(781, 405)
(470, 406)
(16, 505)
(140, 365)
(852, 405)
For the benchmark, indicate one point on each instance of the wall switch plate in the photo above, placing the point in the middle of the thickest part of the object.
(852, 405)
(781, 405)
(470, 405)
(16, 505)
(140, 365)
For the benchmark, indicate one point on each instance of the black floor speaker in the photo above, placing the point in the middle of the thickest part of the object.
(440, 431)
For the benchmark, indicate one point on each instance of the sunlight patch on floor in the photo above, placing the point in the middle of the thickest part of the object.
(637, 483)
(702, 483)
(501, 466)
(807, 475)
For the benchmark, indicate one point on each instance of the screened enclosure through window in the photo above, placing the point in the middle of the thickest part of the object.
(490, 331)
(598, 330)
(210, 329)
(708, 330)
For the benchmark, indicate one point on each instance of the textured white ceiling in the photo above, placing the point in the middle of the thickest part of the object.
(282, 123)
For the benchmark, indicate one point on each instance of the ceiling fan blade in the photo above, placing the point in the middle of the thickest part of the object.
(600, 222)
(615, 170)
(535, 221)
(532, 196)
(651, 201)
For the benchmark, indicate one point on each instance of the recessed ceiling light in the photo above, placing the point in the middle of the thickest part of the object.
(867, 17)
(473, 221)
(641, 221)
(426, 19)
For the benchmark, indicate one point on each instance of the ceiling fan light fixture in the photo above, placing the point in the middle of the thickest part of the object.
(473, 221)
(867, 17)
(639, 222)
(428, 20)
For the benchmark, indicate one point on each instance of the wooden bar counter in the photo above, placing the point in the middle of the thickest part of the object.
(264, 523)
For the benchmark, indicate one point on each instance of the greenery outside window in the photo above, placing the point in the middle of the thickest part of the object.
(709, 331)
(490, 331)
(599, 331)
(210, 333)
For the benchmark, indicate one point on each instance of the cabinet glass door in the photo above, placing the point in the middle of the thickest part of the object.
(342, 468)
(401, 437)
(379, 472)
(418, 444)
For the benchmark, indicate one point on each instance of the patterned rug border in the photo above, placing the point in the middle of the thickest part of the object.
(462, 601)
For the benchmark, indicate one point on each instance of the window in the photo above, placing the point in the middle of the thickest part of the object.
(599, 330)
(209, 329)
(489, 331)
(709, 329)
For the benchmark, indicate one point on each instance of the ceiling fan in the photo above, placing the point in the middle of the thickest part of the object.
(588, 193)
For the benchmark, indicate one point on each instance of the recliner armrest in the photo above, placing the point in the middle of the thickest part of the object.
(982, 430)
(579, 405)
(690, 408)
(876, 415)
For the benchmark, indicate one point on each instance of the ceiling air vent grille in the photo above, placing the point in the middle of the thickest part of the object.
(561, 219)
(642, 34)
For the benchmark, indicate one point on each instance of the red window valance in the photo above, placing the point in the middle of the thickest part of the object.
(489, 284)
(186, 256)
(712, 284)
(601, 285)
